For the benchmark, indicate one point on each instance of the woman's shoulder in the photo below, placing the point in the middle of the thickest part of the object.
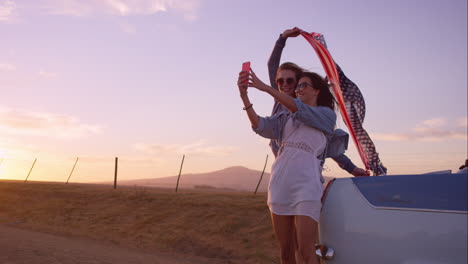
(324, 109)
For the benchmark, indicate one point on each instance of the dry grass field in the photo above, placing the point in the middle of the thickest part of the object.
(227, 227)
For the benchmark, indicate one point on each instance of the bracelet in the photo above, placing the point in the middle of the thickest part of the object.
(248, 107)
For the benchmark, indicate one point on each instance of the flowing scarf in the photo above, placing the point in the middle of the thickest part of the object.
(351, 104)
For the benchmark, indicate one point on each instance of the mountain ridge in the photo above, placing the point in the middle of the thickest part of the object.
(238, 178)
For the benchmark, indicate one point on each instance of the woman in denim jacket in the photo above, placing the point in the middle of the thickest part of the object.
(306, 135)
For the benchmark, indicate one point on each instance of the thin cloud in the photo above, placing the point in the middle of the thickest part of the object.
(197, 148)
(79, 8)
(462, 122)
(7, 9)
(433, 130)
(47, 74)
(435, 122)
(189, 8)
(138, 7)
(7, 67)
(24, 122)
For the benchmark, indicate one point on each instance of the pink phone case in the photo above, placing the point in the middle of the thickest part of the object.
(246, 66)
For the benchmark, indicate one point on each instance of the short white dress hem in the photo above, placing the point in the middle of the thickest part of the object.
(305, 208)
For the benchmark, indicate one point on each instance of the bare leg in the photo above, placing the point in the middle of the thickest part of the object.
(283, 226)
(306, 229)
(296, 248)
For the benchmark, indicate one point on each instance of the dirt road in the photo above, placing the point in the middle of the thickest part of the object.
(18, 246)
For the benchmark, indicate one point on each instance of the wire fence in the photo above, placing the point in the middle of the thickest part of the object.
(129, 170)
(108, 171)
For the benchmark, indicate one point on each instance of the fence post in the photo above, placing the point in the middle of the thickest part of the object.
(115, 172)
(30, 170)
(72, 170)
(180, 171)
(260, 180)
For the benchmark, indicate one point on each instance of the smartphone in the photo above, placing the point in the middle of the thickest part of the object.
(246, 66)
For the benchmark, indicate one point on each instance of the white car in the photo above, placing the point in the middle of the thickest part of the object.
(407, 219)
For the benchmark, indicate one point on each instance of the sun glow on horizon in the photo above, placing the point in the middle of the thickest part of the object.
(68, 93)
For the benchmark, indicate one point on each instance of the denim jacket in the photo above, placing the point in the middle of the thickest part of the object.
(319, 117)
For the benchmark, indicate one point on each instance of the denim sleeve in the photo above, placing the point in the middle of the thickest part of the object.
(319, 117)
(274, 61)
(345, 163)
(269, 127)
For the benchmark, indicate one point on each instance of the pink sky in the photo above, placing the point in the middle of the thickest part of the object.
(151, 80)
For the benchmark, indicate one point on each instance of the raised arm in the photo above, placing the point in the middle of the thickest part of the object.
(242, 83)
(268, 127)
(275, 57)
(274, 61)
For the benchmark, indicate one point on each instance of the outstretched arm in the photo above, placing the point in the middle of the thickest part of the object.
(320, 117)
(284, 99)
(346, 164)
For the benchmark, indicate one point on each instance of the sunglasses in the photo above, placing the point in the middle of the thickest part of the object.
(303, 85)
(289, 81)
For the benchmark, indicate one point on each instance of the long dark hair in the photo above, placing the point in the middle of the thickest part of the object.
(325, 97)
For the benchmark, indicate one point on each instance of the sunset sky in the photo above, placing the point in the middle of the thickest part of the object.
(151, 80)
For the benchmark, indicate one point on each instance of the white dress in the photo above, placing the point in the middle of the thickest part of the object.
(295, 187)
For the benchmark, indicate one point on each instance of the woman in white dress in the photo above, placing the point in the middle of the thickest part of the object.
(304, 134)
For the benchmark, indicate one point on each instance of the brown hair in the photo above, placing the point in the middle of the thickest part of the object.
(292, 67)
(325, 97)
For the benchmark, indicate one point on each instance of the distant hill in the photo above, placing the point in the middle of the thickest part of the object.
(233, 178)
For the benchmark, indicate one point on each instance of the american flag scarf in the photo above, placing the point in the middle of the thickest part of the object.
(351, 104)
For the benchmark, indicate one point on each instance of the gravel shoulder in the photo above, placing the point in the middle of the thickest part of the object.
(19, 246)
